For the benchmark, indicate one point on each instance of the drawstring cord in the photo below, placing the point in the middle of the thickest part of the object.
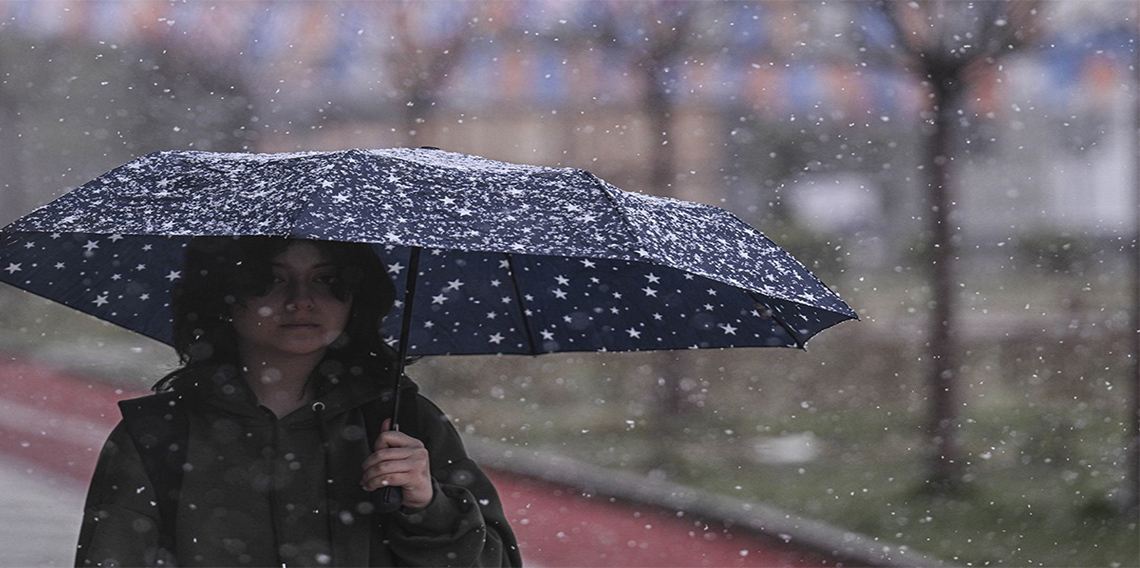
(318, 409)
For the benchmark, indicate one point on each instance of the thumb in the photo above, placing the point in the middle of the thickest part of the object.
(385, 426)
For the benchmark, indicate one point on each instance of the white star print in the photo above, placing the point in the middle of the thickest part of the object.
(174, 275)
(653, 278)
(562, 280)
(496, 338)
(438, 299)
(633, 333)
(13, 267)
(100, 300)
(91, 246)
(395, 268)
(454, 285)
(559, 293)
(728, 329)
(649, 291)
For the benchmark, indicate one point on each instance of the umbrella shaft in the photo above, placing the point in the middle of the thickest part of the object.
(405, 328)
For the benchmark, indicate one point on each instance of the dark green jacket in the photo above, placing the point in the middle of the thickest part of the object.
(261, 491)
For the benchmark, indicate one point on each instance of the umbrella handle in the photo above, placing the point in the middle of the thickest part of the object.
(390, 499)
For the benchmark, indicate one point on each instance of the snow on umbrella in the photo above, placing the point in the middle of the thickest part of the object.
(515, 258)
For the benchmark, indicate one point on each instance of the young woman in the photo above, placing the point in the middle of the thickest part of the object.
(269, 446)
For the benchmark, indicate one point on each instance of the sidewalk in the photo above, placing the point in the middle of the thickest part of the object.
(39, 515)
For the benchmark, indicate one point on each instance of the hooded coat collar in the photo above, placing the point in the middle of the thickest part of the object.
(337, 390)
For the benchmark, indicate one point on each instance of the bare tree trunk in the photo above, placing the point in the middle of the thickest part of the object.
(945, 472)
(942, 40)
(12, 190)
(662, 175)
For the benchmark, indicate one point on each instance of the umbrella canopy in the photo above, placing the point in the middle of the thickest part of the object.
(503, 258)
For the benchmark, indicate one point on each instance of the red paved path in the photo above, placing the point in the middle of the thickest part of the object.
(59, 421)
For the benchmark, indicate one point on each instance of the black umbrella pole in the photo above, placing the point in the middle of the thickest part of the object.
(391, 498)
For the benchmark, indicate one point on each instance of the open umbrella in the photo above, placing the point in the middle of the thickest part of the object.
(493, 257)
(508, 258)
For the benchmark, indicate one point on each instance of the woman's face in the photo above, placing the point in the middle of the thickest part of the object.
(299, 315)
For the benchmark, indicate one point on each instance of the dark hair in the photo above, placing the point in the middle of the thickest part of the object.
(221, 272)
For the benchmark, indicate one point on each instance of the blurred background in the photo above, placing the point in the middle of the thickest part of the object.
(964, 174)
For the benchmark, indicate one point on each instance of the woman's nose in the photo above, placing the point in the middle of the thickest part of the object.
(300, 297)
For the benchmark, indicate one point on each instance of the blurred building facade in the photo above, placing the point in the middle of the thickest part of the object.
(779, 110)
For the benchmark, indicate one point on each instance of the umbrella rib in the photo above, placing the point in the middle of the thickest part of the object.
(780, 321)
(522, 304)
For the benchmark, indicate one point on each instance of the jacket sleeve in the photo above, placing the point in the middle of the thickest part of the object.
(464, 525)
(120, 519)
